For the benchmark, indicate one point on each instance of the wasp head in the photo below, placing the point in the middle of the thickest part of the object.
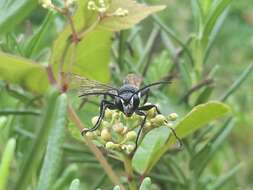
(129, 104)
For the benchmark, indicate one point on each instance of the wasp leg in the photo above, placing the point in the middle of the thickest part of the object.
(141, 113)
(103, 105)
(178, 139)
(145, 93)
(148, 107)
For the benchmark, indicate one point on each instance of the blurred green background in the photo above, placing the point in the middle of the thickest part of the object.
(230, 55)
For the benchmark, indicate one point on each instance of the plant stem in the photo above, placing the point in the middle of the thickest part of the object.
(129, 172)
(97, 153)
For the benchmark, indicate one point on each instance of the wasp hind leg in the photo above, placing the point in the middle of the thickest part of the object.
(103, 105)
(141, 113)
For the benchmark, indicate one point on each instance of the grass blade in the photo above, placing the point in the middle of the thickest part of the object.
(212, 20)
(201, 159)
(36, 41)
(34, 155)
(18, 112)
(173, 36)
(222, 180)
(146, 184)
(66, 177)
(237, 83)
(6, 162)
(54, 150)
(198, 14)
(148, 46)
(75, 184)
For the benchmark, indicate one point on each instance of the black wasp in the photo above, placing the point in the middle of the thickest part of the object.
(126, 98)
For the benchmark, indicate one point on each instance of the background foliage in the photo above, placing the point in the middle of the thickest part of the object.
(205, 45)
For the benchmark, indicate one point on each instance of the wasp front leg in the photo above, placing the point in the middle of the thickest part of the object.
(141, 113)
(148, 107)
(103, 105)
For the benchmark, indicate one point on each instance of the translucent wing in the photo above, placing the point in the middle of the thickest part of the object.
(87, 86)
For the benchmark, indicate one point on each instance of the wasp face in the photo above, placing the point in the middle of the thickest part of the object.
(129, 104)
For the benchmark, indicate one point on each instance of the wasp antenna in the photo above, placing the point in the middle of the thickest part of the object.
(97, 93)
(153, 84)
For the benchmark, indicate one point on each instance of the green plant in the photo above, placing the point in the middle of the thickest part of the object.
(36, 104)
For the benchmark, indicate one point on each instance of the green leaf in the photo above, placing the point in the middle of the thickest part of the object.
(147, 151)
(198, 117)
(136, 13)
(201, 159)
(117, 187)
(204, 95)
(67, 176)
(12, 12)
(235, 86)
(54, 152)
(146, 184)
(24, 72)
(75, 184)
(18, 112)
(36, 150)
(223, 179)
(214, 33)
(213, 17)
(173, 36)
(198, 14)
(86, 60)
(6, 159)
(34, 45)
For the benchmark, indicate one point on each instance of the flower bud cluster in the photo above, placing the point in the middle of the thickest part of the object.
(47, 4)
(118, 133)
(102, 6)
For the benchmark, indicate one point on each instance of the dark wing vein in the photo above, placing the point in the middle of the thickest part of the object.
(87, 86)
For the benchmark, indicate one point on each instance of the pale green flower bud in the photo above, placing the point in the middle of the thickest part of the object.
(70, 2)
(152, 112)
(92, 6)
(118, 127)
(147, 125)
(96, 133)
(94, 120)
(106, 135)
(121, 12)
(110, 145)
(158, 120)
(46, 3)
(115, 115)
(131, 135)
(130, 148)
(105, 124)
(90, 135)
(108, 114)
(124, 131)
(173, 117)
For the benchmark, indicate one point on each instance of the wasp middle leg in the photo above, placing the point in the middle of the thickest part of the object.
(103, 106)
